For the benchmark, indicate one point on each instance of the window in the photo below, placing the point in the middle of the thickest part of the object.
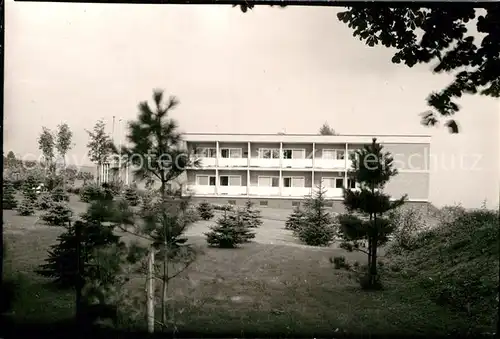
(294, 154)
(205, 180)
(207, 152)
(340, 154)
(230, 153)
(351, 183)
(293, 181)
(295, 203)
(263, 203)
(268, 181)
(328, 182)
(231, 202)
(269, 153)
(339, 182)
(328, 154)
(230, 180)
(328, 203)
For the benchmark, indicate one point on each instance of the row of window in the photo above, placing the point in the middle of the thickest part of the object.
(272, 181)
(270, 153)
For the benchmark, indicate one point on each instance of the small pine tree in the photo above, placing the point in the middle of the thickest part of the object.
(62, 262)
(59, 214)
(205, 210)
(9, 201)
(29, 189)
(27, 207)
(295, 219)
(59, 195)
(367, 207)
(251, 215)
(229, 232)
(132, 196)
(317, 228)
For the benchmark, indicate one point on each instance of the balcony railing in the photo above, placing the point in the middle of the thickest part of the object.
(273, 163)
(232, 190)
(264, 191)
(292, 192)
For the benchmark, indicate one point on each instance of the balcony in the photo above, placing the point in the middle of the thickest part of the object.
(207, 162)
(266, 163)
(329, 163)
(232, 190)
(333, 192)
(201, 189)
(296, 191)
(264, 191)
(233, 162)
(297, 163)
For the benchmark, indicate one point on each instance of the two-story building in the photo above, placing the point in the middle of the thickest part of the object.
(279, 170)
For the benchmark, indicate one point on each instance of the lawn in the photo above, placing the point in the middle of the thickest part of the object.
(271, 286)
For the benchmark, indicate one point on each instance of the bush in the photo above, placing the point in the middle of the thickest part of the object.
(224, 208)
(27, 207)
(9, 201)
(295, 219)
(91, 192)
(457, 262)
(59, 195)
(407, 222)
(251, 216)
(339, 262)
(205, 210)
(59, 214)
(44, 201)
(29, 189)
(230, 231)
(131, 196)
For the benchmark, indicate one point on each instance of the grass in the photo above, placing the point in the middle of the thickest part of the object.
(260, 289)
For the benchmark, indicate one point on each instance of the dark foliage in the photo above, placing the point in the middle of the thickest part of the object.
(26, 208)
(131, 196)
(205, 210)
(62, 262)
(295, 219)
(59, 213)
(29, 188)
(251, 216)
(445, 42)
(230, 231)
(91, 192)
(9, 201)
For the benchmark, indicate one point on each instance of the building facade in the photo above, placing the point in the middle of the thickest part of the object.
(281, 170)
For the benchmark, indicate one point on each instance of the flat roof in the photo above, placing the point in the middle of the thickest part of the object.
(306, 138)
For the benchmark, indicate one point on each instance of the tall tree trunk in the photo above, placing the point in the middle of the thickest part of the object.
(373, 266)
(151, 292)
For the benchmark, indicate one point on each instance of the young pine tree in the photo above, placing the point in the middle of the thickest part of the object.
(9, 201)
(230, 231)
(29, 188)
(317, 227)
(58, 214)
(251, 215)
(371, 169)
(131, 196)
(205, 210)
(295, 219)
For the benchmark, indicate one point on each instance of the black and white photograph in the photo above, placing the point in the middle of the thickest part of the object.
(250, 170)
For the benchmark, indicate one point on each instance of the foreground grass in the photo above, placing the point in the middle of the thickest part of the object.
(263, 288)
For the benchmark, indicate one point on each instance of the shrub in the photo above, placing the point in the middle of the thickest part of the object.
(223, 208)
(91, 192)
(251, 215)
(29, 189)
(59, 214)
(62, 263)
(205, 210)
(9, 201)
(27, 207)
(295, 219)
(131, 196)
(44, 201)
(339, 262)
(59, 195)
(229, 232)
(407, 222)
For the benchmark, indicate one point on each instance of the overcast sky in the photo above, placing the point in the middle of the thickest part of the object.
(260, 72)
